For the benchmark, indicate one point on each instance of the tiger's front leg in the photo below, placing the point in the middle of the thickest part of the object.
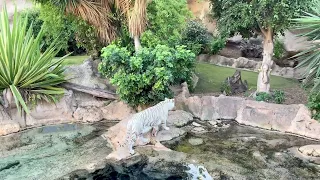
(132, 139)
(154, 133)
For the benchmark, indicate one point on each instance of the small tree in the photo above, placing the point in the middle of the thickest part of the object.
(265, 17)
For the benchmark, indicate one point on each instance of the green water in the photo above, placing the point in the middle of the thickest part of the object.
(240, 152)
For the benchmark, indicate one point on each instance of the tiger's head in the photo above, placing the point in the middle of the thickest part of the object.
(169, 103)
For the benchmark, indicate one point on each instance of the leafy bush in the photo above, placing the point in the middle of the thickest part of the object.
(263, 96)
(72, 34)
(195, 36)
(217, 45)
(226, 88)
(278, 96)
(26, 72)
(33, 18)
(86, 37)
(146, 76)
(278, 49)
(57, 26)
(314, 105)
(166, 21)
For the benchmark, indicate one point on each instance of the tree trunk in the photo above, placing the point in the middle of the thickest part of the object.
(137, 44)
(263, 84)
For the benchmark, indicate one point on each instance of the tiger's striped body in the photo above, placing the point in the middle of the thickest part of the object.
(147, 120)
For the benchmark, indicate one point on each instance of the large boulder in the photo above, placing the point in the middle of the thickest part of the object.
(311, 150)
(8, 127)
(87, 75)
(179, 118)
(251, 49)
(49, 113)
(267, 115)
(303, 124)
(295, 119)
(212, 108)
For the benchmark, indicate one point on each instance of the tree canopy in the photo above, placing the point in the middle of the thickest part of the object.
(247, 16)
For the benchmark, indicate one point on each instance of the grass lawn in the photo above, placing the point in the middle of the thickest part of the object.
(211, 77)
(72, 60)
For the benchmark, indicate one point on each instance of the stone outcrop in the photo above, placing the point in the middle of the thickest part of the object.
(49, 113)
(310, 150)
(247, 64)
(295, 119)
(251, 49)
(179, 118)
(8, 127)
(236, 84)
(87, 75)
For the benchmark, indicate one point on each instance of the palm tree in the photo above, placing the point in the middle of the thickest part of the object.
(99, 14)
(310, 58)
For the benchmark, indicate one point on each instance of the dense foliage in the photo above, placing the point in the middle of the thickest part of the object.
(217, 44)
(145, 76)
(314, 105)
(71, 33)
(166, 21)
(25, 72)
(278, 96)
(255, 15)
(195, 36)
(279, 49)
(309, 23)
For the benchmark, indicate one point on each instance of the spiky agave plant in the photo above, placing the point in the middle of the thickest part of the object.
(310, 58)
(24, 71)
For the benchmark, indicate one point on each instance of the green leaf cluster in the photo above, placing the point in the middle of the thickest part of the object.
(166, 21)
(73, 34)
(195, 36)
(145, 77)
(277, 96)
(314, 105)
(248, 16)
(25, 71)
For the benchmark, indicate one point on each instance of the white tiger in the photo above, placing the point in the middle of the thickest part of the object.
(147, 120)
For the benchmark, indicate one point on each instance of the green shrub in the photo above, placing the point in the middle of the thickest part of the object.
(57, 26)
(73, 34)
(314, 105)
(86, 37)
(278, 96)
(263, 96)
(217, 45)
(145, 77)
(25, 71)
(33, 18)
(279, 49)
(166, 21)
(195, 36)
(226, 88)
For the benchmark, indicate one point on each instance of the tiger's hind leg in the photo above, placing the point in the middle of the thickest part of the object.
(154, 131)
(144, 140)
(131, 140)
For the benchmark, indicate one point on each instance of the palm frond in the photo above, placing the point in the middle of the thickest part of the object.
(309, 23)
(97, 13)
